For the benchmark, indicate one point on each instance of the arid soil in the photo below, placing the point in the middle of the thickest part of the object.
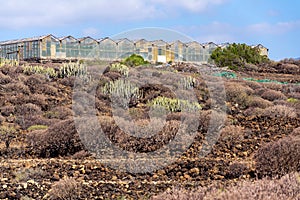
(43, 157)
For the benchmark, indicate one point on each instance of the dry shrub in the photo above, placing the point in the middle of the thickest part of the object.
(17, 87)
(280, 111)
(4, 79)
(7, 110)
(60, 139)
(46, 89)
(272, 95)
(274, 86)
(113, 75)
(296, 132)
(118, 131)
(68, 81)
(259, 102)
(59, 112)
(253, 85)
(34, 81)
(25, 121)
(278, 158)
(182, 194)
(209, 118)
(236, 170)
(231, 134)
(28, 109)
(287, 187)
(37, 99)
(260, 91)
(253, 111)
(65, 189)
(238, 94)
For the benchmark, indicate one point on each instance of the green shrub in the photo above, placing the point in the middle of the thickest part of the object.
(135, 60)
(237, 55)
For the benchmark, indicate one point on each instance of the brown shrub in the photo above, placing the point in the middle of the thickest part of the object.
(280, 111)
(68, 81)
(238, 94)
(28, 109)
(296, 132)
(37, 99)
(259, 102)
(17, 87)
(66, 188)
(272, 95)
(25, 121)
(236, 170)
(7, 110)
(287, 187)
(253, 85)
(59, 112)
(4, 79)
(253, 111)
(274, 86)
(208, 118)
(278, 158)
(231, 134)
(60, 139)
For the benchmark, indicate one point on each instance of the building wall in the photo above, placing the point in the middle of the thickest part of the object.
(50, 47)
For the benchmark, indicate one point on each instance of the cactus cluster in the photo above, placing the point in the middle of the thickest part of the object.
(122, 92)
(50, 72)
(72, 69)
(187, 82)
(175, 105)
(121, 88)
(121, 68)
(8, 62)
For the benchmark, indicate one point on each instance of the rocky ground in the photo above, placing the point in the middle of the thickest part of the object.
(42, 156)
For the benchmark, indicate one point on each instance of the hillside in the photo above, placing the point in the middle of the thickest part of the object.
(247, 130)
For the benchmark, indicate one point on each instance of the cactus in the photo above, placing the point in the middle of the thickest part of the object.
(122, 91)
(121, 68)
(50, 72)
(175, 105)
(8, 62)
(187, 82)
(73, 69)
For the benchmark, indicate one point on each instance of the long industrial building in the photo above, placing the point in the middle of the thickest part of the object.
(51, 48)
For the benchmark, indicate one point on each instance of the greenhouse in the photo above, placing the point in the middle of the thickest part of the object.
(51, 48)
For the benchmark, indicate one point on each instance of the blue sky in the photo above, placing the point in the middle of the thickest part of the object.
(275, 24)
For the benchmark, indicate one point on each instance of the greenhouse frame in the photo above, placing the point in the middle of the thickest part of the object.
(51, 48)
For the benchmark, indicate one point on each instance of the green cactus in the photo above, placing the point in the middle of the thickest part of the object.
(175, 105)
(122, 91)
(50, 72)
(8, 62)
(187, 82)
(121, 68)
(73, 69)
